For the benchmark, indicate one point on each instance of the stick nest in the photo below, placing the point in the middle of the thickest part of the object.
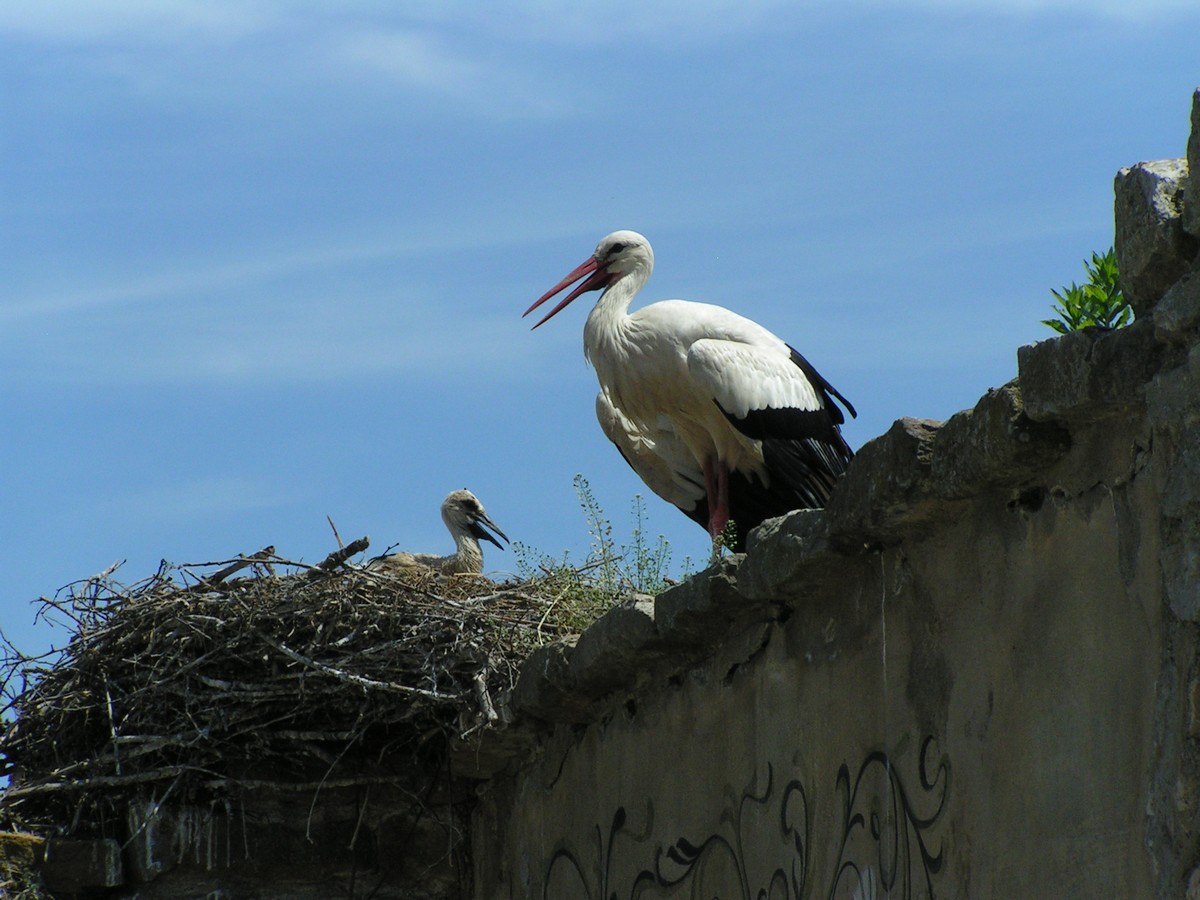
(194, 685)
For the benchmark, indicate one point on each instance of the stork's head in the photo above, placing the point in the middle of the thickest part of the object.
(617, 255)
(464, 514)
(623, 251)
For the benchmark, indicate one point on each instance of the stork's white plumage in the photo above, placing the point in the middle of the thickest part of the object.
(658, 456)
(465, 518)
(714, 412)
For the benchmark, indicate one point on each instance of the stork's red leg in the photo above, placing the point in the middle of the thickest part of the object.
(716, 486)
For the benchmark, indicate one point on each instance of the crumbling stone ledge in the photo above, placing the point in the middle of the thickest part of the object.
(918, 473)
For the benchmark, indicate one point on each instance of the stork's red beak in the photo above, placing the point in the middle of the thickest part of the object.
(596, 278)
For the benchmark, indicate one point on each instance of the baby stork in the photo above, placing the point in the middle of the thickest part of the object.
(465, 518)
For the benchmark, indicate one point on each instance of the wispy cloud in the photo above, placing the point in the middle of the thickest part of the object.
(179, 278)
(419, 59)
(309, 344)
(189, 500)
(280, 320)
(522, 21)
(133, 21)
(84, 293)
(1147, 10)
(465, 56)
(599, 23)
(164, 47)
(458, 70)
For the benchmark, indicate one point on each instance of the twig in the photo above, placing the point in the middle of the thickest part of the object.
(85, 784)
(300, 786)
(349, 677)
(112, 724)
(485, 700)
(362, 812)
(324, 778)
(207, 584)
(337, 557)
(333, 527)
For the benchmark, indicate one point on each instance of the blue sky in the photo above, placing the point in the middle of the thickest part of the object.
(264, 262)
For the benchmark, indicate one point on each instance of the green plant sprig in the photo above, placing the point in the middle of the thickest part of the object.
(1100, 303)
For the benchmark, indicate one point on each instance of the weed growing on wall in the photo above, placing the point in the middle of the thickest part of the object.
(1099, 303)
(647, 562)
(612, 570)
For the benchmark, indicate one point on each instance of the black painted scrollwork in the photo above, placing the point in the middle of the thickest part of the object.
(762, 847)
(721, 861)
(884, 849)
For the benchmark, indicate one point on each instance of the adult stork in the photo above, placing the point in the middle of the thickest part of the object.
(465, 519)
(716, 414)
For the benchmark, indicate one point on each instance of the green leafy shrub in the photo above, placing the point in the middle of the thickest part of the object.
(1099, 303)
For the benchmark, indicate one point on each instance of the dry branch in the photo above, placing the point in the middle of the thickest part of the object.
(220, 575)
(348, 677)
(339, 556)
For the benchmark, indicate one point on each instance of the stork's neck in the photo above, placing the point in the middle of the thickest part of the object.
(468, 556)
(610, 316)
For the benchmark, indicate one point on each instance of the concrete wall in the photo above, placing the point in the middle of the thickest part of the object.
(986, 693)
(974, 675)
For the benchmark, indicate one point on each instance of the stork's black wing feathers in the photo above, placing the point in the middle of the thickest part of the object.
(803, 450)
(799, 424)
(824, 388)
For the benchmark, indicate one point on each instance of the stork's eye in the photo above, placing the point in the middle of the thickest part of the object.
(617, 248)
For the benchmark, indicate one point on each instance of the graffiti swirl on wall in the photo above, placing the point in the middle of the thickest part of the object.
(762, 846)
